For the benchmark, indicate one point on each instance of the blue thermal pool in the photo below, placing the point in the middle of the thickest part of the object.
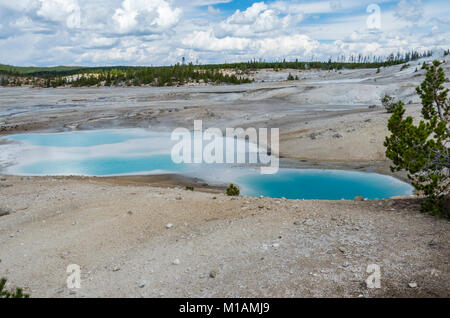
(138, 151)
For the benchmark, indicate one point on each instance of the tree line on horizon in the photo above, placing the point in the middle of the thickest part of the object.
(182, 73)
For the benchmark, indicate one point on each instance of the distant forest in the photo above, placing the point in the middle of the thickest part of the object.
(182, 73)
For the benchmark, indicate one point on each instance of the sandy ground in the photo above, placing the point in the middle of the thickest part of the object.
(115, 228)
(254, 247)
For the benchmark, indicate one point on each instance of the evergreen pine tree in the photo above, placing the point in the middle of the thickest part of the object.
(423, 149)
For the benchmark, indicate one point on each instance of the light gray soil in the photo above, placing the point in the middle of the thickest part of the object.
(254, 247)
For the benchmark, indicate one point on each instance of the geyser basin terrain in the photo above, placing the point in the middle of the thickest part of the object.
(138, 151)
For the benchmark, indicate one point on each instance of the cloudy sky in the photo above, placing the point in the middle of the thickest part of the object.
(161, 32)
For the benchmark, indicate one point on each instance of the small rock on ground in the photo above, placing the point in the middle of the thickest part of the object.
(214, 273)
(4, 211)
(142, 284)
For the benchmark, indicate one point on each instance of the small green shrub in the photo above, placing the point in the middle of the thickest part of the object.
(233, 190)
(388, 103)
(189, 188)
(7, 294)
(18, 293)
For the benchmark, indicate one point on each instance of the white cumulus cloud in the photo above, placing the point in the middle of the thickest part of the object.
(259, 19)
(411, 11)
(161, 32)
(279, 47)
(145, 17)
(65, 11)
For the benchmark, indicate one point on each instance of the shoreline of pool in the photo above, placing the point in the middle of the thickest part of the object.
(178, 180)
(194, 178)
